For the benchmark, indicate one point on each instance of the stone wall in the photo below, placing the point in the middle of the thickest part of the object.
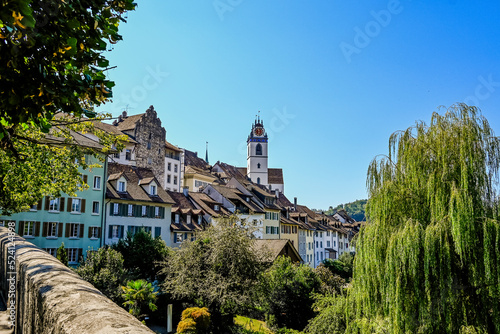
(51, 298)
(150, 152)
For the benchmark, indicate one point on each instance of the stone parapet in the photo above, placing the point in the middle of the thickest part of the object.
(51, 298)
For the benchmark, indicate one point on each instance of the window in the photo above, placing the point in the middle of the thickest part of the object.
(116, 155)
(51, 251)
(169, 166)
(116, 208)
(29, 229)
(94, 232)
(52, 229)
(177, 218)
(115, 231)
(121, 186)
(152, 190)
(178, 237)
(216, 207)
(175, 168)
(175, 179)
(74, 230)
(130, 210)
(157, 231)
(157, 211)
(188, 219)
(143, 211)
(327, 233)
(258, 180)
(258, 149)
(54, 204)
(128, 154)
(95, 207)
(76, 205)
(334, 243)
(321, 244)
(73, 254)
(258, 165)
(97, 182)
(199, 219)
(328, 244)
(168, 178)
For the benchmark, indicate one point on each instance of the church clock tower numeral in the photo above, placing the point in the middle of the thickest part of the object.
(257, 153)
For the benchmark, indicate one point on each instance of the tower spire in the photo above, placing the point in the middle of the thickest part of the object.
(206, 154)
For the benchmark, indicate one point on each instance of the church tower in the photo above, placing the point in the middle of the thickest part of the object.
(257, 153)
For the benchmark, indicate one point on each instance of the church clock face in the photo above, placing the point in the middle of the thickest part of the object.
(259, 132)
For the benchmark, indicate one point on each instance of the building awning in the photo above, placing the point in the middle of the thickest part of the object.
(331, 250)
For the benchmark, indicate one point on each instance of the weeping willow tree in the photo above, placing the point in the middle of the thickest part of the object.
(429, 259)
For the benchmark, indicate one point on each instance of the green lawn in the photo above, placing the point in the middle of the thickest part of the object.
(252, 324)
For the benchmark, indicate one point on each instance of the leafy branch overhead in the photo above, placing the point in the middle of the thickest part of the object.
(52, 58)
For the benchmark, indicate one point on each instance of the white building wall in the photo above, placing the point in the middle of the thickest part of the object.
(173, 176)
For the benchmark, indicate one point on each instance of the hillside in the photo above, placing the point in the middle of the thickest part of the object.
(355, 209)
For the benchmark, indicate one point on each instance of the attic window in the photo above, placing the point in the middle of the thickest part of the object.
(152, 190)
(216, 207)
(121, 186)
(248, 199)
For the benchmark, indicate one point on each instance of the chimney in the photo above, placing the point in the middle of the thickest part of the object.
(185, 191)
(295, 203)
(124, 114)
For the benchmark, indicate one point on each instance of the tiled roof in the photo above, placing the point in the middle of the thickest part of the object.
(191, 159)
(129, 122)
(135, 192)
(283, 201)
(181, 201)
(274, 175)
(274, 247)
(207, 203)
(230, 171)
(172, 147)
(112, 129)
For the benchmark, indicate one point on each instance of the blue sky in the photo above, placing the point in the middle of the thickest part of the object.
(332, 79)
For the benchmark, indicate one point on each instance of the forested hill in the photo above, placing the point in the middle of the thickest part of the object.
(355, 209)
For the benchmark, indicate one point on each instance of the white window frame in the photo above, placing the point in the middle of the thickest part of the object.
(175, 180)
(54, 204)
(97, 182)
(169, 166)
(116, 208)
(188, 219)
(177, 218)
(94, 232)
(72, 255)
(157, 211)
(152, 189)
(175, 168)
(76, 205)
(122, 186)
(130, 210)
(74, 230)
(143, 211)
(29, 226)
(216, 207)
(52, 227)
(115, 231)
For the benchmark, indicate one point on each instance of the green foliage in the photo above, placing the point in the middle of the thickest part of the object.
(218, 271)
(342, 266)
(194, 320)
(332, 315)
(429, 260)
(330, 282)
(142, 254)
(354, 209)
(53, 59)
(104, 270)
(285, 292)
(62, 254)
(139, 296)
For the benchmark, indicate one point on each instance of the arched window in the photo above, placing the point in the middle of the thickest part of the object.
(258, 149)
(258, 165)
(258, 180)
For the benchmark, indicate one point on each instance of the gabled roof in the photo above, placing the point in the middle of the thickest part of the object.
(206, 203)
(191, 159)
(135, 192)
(277, 247)
(172, 147)
(112, 129)
(283, 201)
(230, 171)
(129, 122)
(181, 201)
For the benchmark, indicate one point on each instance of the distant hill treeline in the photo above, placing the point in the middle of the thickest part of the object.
(355, 209)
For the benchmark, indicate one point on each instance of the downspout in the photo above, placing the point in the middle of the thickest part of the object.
(103, 208)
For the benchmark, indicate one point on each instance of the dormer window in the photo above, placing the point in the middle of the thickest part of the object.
(188, 219)
(216, 207)
(199, 219)
(177, 218)
(128, 154)
(121, 186)
(152, 189)
(248, 199)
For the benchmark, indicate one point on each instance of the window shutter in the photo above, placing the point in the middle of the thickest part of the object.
(121, 231)
(80, 254)
(70, 202)
(67, 230)
(60, 229)
(37, 229)
(39, 205)
(110, 232)
(99, 232)
(82, 227)
(85, 178)
(162, 212)
(61, 204)
(47, 202)
(21, 228)
(44, 229)
(90, 232)
(83, 205)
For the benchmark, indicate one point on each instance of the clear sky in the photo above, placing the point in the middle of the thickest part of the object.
(332, 79)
